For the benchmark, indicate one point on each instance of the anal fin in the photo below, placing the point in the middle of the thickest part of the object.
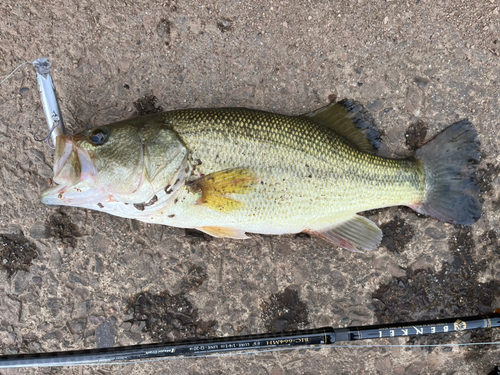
(355, 234)
(221, 232)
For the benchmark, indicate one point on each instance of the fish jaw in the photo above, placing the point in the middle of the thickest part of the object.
(72, 164)
(79, 195)
(75, 173)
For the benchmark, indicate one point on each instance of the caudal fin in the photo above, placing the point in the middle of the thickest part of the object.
(450, 161)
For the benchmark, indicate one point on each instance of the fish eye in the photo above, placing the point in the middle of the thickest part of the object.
(98, 136)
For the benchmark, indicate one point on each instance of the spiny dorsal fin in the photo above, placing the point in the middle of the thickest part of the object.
(355, 234)
(351, 120)
(215, 187)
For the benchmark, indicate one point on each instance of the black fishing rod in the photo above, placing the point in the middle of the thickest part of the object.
(249, 343)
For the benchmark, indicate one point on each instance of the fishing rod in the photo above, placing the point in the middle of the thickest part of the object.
(249, 343)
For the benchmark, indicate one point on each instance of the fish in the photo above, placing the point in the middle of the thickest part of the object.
(228, 172)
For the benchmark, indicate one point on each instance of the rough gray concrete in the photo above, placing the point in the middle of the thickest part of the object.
(80, 279)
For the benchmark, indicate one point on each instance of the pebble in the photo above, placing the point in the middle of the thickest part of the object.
(78, 325)
(9, 310)
(39, 230)
(105, 334)
(21, 281)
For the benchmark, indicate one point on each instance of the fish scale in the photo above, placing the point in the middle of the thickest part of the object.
(283, 151)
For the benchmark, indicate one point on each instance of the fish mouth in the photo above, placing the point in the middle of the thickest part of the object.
(74, 174)
(78, 195)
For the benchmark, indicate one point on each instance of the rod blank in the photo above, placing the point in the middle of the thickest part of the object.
(203, 347)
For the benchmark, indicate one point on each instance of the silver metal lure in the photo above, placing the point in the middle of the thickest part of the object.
(48, 98)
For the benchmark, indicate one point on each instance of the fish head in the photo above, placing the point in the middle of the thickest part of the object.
(128, 162)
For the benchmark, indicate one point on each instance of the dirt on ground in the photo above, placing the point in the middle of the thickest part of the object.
(72, 278)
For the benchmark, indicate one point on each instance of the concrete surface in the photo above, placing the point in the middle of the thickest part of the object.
(78, 279)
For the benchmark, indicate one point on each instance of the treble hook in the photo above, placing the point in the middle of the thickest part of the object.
(56, 123)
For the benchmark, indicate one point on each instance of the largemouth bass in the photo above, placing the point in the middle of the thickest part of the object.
(232, 171)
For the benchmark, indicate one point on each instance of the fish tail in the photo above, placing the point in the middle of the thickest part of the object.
(450, 162)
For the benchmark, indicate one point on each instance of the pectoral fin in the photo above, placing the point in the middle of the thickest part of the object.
(355, 234)
(221, 232)
(216, 188)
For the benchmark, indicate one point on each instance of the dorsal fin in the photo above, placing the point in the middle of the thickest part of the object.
(352, 121)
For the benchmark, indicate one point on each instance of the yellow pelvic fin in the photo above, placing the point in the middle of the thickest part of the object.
(221, 232)
(215, 187)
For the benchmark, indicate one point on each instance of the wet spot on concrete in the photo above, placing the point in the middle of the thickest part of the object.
(397, 234)
(284, 312)
(452, 292)
(16, 253)
(63, 228)
(332, 98)
(225, 25)
(167, 317)
(195, 235)
(415, 135)
(195, 277)
(422, 82)
(485, 178)
(163, 30)
(147, 104)
(490, 239)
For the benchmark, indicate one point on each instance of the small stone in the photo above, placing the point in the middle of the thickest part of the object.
(384, 365)
(54, 305)
(75, 278)
(375, 105)
(21, 281)
(37, 280)
(7, 338)
(337, 281)
(39, 230)
(227, 329)
(23, 90)
(59, 335)
(11, 230)
(36, 156)
(225, 25)
(398, 370)
(413, 100)
(82, 308)
(55, 259)
(9, 310)
(105, 334)
(45, 171)
(78, 325)
(34, 347)
(95, 320)
(396, 271)
(137, 337)
(82, 292)
(281, 324)
(435, 233)
(422, 82)
(126, 326)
